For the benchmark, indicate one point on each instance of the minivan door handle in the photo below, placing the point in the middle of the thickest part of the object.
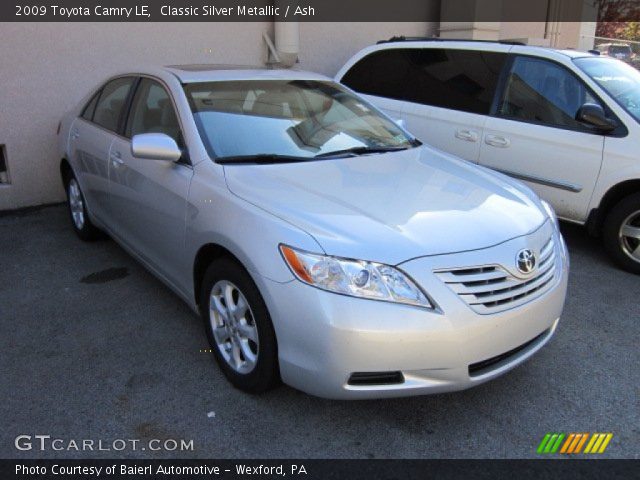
(497, 141)
(467, 135)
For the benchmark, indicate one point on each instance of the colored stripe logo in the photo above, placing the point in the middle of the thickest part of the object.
(573, 443)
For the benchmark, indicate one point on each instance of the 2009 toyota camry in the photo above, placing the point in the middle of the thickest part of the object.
(321, 243)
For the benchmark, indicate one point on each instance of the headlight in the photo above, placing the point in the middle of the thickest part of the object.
(551, 213)
(354, 277)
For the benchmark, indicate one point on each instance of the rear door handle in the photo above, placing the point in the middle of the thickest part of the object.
(467, 135)
(116, 158)
(497, 141)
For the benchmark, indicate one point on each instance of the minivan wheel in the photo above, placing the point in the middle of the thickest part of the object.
(239, 327)
(621, 233)
(78, 211)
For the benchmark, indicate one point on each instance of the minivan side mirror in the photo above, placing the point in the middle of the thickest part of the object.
(155, 146)
(593, 114)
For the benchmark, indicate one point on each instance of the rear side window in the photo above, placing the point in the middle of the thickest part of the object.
(544, 92)
(90, 108)
(383, 73)
(455, 79)
(111, 102)
(624, 49)
(463, 80)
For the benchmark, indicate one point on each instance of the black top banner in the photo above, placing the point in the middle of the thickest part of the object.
(319, 10)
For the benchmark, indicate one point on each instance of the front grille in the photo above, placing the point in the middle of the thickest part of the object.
(485, 366)
(491, 289)
(375, 378)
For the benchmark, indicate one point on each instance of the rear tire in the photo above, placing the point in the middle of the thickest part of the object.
(77, 207)
(621, 233)
(239, 327)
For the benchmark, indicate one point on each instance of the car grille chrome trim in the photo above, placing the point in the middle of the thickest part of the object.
(491, 289)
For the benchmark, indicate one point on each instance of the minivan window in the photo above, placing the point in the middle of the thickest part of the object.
(295, 118)
(462, 80)
(112, 100)
(152, 112)
(544, 92)
(455, 79)
(619, 80)
(383, 73)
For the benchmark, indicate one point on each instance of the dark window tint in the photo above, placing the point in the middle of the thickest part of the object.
(87, 113)
(544, 92)
(383, 73)
(152, 112)
(111, 102)
(456, 79)
(615, 49)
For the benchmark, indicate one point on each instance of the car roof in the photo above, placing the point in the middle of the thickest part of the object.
(214, 72)
(500, 45)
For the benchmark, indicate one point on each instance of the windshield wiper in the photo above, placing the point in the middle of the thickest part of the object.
(260, 158)
(362, 150)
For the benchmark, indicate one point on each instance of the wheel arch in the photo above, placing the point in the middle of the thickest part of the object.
(204, 257)
(614, 195)
(65, 171)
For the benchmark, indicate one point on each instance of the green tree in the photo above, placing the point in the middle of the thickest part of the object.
(631, 31)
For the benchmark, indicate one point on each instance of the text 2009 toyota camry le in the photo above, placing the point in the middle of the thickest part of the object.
(321, 243)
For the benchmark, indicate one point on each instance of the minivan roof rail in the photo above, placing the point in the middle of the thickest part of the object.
(402, 38)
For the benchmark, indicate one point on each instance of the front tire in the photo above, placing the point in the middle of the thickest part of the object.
(621, 233)
(239, 327)
(77, 206)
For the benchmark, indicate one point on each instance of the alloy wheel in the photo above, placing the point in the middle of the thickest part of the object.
(629, 236)
(76, 205)
(233, 326)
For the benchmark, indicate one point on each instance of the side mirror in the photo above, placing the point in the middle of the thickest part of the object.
(593, 114)
(155, 146)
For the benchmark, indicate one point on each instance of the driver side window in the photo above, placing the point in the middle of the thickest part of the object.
(544, 92)
(152, 112)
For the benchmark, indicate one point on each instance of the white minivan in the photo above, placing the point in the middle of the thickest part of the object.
(564, 122)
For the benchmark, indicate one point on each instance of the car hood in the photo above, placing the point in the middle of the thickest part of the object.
(391, 207)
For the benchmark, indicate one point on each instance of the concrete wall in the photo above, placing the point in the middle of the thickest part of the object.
(514, 30)
(48, 67)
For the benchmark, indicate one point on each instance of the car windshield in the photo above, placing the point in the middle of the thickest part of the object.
(618, 79)
(615, 49)
(289, 119)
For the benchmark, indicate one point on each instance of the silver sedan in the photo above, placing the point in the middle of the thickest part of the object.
(322, 244)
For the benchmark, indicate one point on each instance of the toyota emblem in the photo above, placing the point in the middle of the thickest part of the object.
(525, 261)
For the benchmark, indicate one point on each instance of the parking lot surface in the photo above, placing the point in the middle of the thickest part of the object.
(94, 347)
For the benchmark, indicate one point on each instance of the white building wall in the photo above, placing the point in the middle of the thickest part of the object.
(45, 68)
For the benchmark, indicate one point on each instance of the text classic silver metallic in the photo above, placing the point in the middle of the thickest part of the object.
(321, 243)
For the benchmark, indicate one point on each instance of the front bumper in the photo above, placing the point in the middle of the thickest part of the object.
(323, 337)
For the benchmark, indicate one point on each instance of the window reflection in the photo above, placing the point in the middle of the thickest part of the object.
(297, 118)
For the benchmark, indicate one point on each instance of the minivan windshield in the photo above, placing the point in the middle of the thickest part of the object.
(618, 79)
(289, 120)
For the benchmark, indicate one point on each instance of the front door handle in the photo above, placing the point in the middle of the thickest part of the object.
(497, 141)
(75, 135)
(467, 135)
(116, 158)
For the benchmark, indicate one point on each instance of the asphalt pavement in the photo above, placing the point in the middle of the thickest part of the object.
(95, 348)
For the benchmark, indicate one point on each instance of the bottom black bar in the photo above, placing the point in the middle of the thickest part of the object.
(321, 469)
